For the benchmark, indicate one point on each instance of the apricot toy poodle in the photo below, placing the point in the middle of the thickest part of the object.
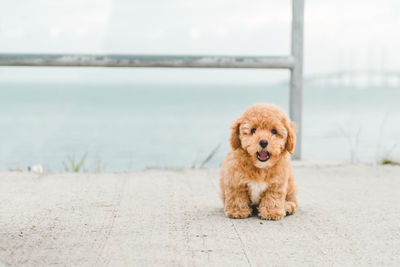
(257, 174)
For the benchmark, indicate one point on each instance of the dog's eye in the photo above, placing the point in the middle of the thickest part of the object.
(253, 130)
(274, 131)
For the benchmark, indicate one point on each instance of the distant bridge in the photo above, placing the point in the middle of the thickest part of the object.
(356, 78)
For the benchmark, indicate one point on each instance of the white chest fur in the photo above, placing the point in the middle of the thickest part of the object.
(255, 191)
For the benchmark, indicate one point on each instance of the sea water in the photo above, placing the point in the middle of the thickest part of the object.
(129, 127)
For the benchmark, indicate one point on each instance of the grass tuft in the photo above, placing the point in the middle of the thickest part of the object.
(389, 161)
(75, 166)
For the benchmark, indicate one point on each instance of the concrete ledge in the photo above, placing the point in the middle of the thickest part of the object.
(348, 215)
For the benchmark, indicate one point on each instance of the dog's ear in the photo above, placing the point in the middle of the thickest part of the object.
(235, 139)
(291, 137)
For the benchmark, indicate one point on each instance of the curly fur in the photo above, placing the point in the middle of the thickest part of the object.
(246, 181)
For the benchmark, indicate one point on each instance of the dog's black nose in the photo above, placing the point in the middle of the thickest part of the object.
(263, 143)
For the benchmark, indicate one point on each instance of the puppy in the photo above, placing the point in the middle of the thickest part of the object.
(257, 172)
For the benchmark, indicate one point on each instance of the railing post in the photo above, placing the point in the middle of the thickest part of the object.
(296, 74)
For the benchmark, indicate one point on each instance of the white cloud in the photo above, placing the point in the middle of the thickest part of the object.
(54, 32)
(194, 34)
(81, 32)
(15, 33)
(54, 26)
(156, 35)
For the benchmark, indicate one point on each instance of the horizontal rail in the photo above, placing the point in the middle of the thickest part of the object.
(156, 61)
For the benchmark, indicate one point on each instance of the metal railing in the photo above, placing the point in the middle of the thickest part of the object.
(293, 62)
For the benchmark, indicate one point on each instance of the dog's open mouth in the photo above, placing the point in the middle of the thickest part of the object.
(263, 156)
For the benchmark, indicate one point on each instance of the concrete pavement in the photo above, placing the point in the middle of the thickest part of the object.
(349, 215)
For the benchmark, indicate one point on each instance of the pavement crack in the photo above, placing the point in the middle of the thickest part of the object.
(242, 244)
(114, 213)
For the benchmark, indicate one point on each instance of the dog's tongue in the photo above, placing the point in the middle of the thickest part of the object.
(263, 154)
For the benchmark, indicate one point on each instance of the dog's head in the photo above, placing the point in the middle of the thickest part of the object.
(265, 133)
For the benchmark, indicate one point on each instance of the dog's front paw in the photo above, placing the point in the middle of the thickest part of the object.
(274, 215)
(290, 207)
(238, 213)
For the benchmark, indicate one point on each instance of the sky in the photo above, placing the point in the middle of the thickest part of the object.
(339, 35)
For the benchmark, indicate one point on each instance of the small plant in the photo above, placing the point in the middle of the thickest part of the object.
(380, 136)
(75, 166)
(389, 161)
(99, 166)
(353, 144)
